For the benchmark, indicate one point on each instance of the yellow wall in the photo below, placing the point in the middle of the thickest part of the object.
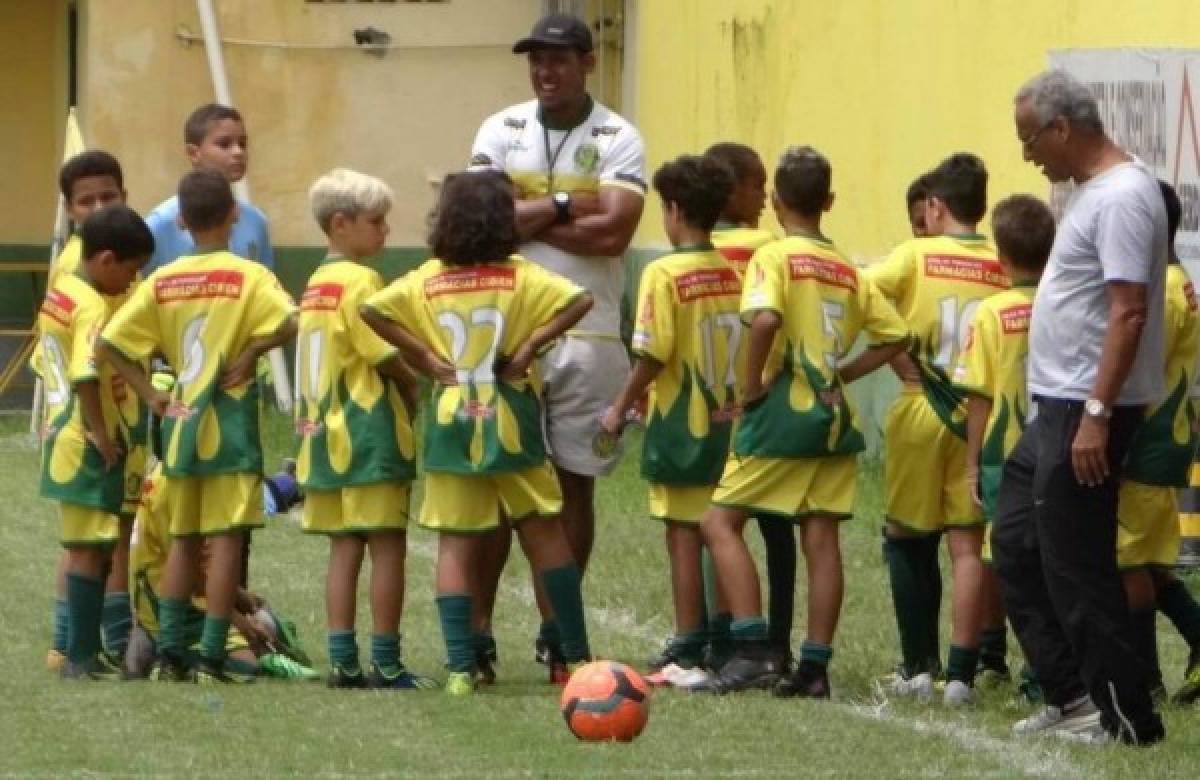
(406, 117)
(33, 82)
(884, 88)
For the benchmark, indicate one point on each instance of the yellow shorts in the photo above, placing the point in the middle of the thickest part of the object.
(1147, 525)
(680, 503)
(790, 487)
(925, 469)
(85, 526)
(357, 509)
(474, 503)
(135, 472)
(216, 504)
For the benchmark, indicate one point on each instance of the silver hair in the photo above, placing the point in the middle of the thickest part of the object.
(1056, 93)
(350, 192)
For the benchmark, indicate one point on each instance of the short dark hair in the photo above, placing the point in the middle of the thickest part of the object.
(117, 228)
(205, 199)
(803, 179)
(196, 126)
(93, 162)
(1174, 214)
(960, 181)
(741, 159)
(1023, 227)
(700, 186)
(919, 189)
(475, 220)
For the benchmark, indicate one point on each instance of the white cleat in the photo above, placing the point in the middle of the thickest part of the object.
(678, 676)
(919, 686)
(958, 694)
(1083, 718)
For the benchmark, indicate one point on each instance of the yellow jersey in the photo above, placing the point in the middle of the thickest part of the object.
(148, 547)
(201, 312)
(476, 317)
(354, 426)
(73, 471)
(687, 321)
(1163, 448)
(936, 283)
(824, 303)
(738, 244)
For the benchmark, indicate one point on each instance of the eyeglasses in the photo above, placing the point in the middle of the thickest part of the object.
(1027, 143)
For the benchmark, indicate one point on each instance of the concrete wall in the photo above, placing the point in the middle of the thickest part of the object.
(884, 88)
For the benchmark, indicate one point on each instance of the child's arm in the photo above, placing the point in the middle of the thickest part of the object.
(644, 371)
(518, 365)
(763, 327)
(418, 353)
(93, 420)
(870, 359)
(398, 371)
(242, 369)
(979, 409)
(135, 376)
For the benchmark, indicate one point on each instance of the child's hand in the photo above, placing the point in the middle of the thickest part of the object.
(906, 368)
(243, 369)
(611, 422)
(973, 484)
(159, 403)
(109, 451)
(517, 367)
(438, 368)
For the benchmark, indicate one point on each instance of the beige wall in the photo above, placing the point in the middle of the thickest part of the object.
(33, 81)
(406, 117)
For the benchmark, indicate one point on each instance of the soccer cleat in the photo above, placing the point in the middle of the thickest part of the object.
(919, 686)
(93, 669)
(1052, 720)
(807, 681)
(346, 678)
(170, 668)
(748, 669)
(55, 659)
(957, 694)
(402, 680)
(1189, 692)
(542, 651)
(279, 665)
(679, 676)
(460, 684)
(486, 658)
(210, 672)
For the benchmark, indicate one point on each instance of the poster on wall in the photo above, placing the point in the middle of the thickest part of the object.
(1148, 101)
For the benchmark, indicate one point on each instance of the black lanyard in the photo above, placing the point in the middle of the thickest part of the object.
(552, 160)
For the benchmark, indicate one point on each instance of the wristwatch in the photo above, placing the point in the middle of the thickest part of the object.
(1094, 407)
(562, 207)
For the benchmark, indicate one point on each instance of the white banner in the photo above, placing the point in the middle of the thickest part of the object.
(1148, 100)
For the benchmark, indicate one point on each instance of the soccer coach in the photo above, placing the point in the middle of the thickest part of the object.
(1095, 362)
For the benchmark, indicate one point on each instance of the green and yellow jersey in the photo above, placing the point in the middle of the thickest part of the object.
(992, 365)
(687, 321)
(355, 428)
(68, 261)
(824, 303)
(1163, 448)
(201, 312)
(936, 283)
(72, 316)
(738, 244)
(475, 317)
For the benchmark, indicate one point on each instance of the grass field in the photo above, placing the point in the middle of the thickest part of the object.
(52, 728)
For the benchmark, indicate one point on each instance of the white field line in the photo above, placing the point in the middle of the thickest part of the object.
(1031, 758)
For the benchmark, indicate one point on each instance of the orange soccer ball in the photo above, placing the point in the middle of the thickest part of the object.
(605, 701)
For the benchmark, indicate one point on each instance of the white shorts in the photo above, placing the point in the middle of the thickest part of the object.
(583, 375)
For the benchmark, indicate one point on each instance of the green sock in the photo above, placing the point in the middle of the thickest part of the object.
(751, 629)
(213, 638)
(454, 611)
(85, 599)
(60, 626)
(903, 557)
(385, 652)
(962, 663)
(1176, 602)
(172, 626)
(931, 577)
(815, 653)
(708, 574)
(566, 599)
(343, 651)
(993, 648)
(117, 621)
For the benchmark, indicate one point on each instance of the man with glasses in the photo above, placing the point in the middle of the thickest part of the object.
(1095, 363)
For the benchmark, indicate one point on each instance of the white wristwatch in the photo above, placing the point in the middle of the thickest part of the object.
(1094, 407)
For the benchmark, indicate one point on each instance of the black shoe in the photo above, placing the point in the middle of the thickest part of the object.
(668, 655)
(171, 668)
(93, 670)
(541, 651)
(210, 672)
(346, 678)
(486, 658)
(808, 681)
(750, 668)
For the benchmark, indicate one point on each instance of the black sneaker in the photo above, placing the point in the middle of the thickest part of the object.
(668, 655)
(346, 678)
(486, 658)
(92, 670)
(402, 680)
(808, 681)
(751, 667)
(210, 672)
(541, 651)
(171, 668)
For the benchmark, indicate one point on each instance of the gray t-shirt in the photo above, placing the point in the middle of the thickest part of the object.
(1114, 229)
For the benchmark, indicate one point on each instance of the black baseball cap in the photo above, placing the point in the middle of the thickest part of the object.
(557, 31)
